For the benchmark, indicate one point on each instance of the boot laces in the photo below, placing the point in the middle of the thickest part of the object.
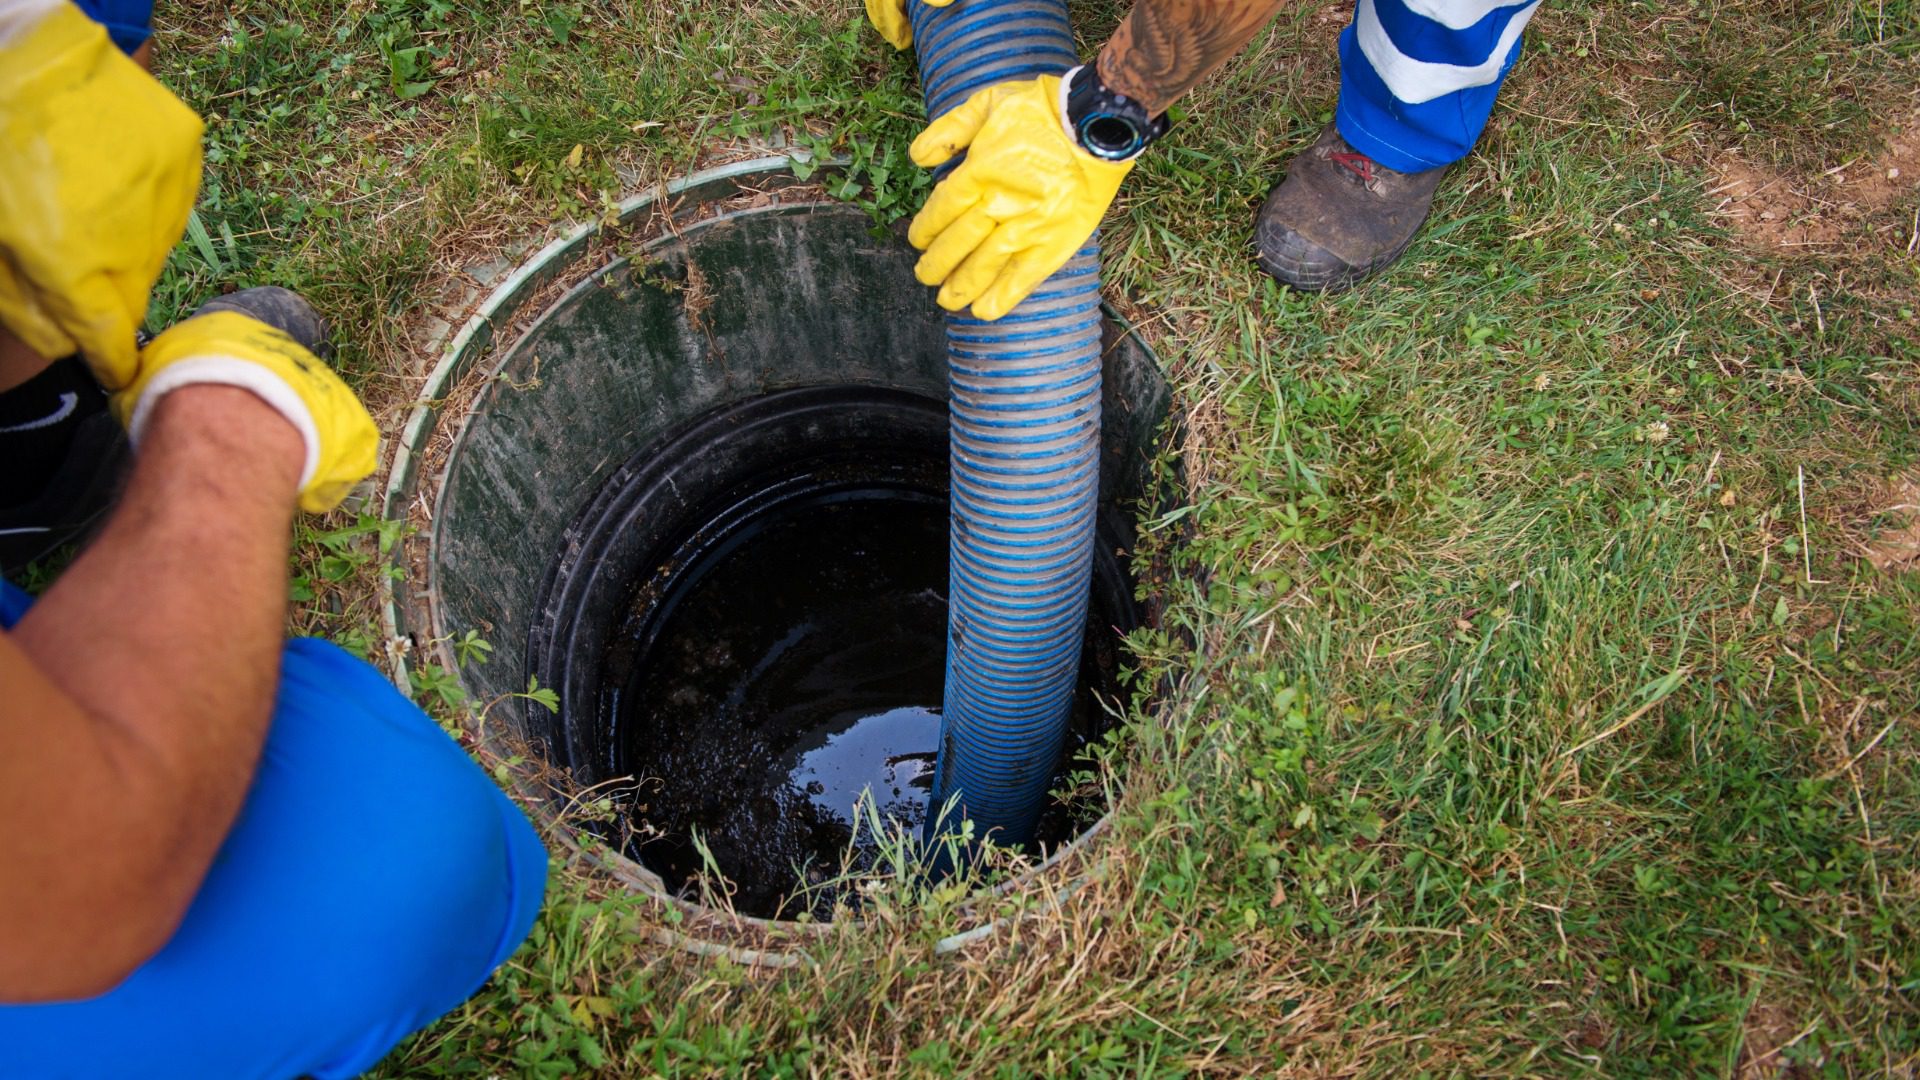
(1356, 163)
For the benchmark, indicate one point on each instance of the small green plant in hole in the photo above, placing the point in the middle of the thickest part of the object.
(435, 685)
(471, 648)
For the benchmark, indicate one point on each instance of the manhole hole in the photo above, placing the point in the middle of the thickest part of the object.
(699, 489)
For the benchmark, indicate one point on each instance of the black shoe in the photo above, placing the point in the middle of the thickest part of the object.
(1339, 216)
(75, 495)
(282, 309)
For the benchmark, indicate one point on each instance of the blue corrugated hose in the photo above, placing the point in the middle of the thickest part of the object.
(1026, 470)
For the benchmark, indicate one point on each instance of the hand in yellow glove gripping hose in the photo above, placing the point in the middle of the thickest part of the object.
(1017, 209)
(99, 165)
(231, 349)
(890, 18)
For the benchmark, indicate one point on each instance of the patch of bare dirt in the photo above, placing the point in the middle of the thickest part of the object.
(1781, 212)
(1593, 1034)
(1769, 1030)
(1898, 546)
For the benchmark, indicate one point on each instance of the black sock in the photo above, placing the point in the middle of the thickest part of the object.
(38, 419)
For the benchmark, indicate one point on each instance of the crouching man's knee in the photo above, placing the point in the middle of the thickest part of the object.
(374, 879)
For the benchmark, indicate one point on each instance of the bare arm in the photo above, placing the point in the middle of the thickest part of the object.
(1164, 47)
(137, 695)
(17, 362)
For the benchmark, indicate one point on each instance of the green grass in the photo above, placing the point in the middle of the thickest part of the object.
(1532, 710)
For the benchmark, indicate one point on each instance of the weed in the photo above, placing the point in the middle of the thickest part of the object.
(437, 688)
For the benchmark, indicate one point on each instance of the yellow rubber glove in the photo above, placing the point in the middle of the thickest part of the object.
(890, 18)
(228, 348)
(1017, 209)
(99, 166)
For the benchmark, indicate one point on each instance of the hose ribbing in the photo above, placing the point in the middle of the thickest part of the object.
(1025, 435)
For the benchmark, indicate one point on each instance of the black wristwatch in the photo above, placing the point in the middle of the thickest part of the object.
(1106, 123)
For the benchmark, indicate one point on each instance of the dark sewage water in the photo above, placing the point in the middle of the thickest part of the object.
(790, 680)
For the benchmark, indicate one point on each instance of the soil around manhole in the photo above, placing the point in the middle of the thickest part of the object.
(1777, 211)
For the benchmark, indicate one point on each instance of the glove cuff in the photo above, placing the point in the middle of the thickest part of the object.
(220, 370)
(1065, 103)
(19, 16)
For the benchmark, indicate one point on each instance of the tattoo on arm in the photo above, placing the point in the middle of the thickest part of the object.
(1164, 47)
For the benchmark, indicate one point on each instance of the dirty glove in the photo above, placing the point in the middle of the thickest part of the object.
(1025, 199)
(99, 165)
(890, 18)
(232, 349)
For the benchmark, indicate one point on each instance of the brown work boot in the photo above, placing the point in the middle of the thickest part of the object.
(1339, 216)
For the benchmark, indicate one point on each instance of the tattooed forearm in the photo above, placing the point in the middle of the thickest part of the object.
(1165, 46)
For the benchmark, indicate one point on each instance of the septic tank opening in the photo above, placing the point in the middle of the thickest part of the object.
(623, 442)
(749, 621)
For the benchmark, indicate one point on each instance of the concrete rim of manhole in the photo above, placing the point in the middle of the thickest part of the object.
(409, 603)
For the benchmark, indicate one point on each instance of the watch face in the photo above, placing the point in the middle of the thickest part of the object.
(1112, 137)
(1107, 125)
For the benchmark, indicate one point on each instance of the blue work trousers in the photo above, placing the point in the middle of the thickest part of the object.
(374, 879)
(1418, 77)
(128, 22)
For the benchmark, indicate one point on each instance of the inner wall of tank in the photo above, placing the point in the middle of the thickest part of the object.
(735, 307)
